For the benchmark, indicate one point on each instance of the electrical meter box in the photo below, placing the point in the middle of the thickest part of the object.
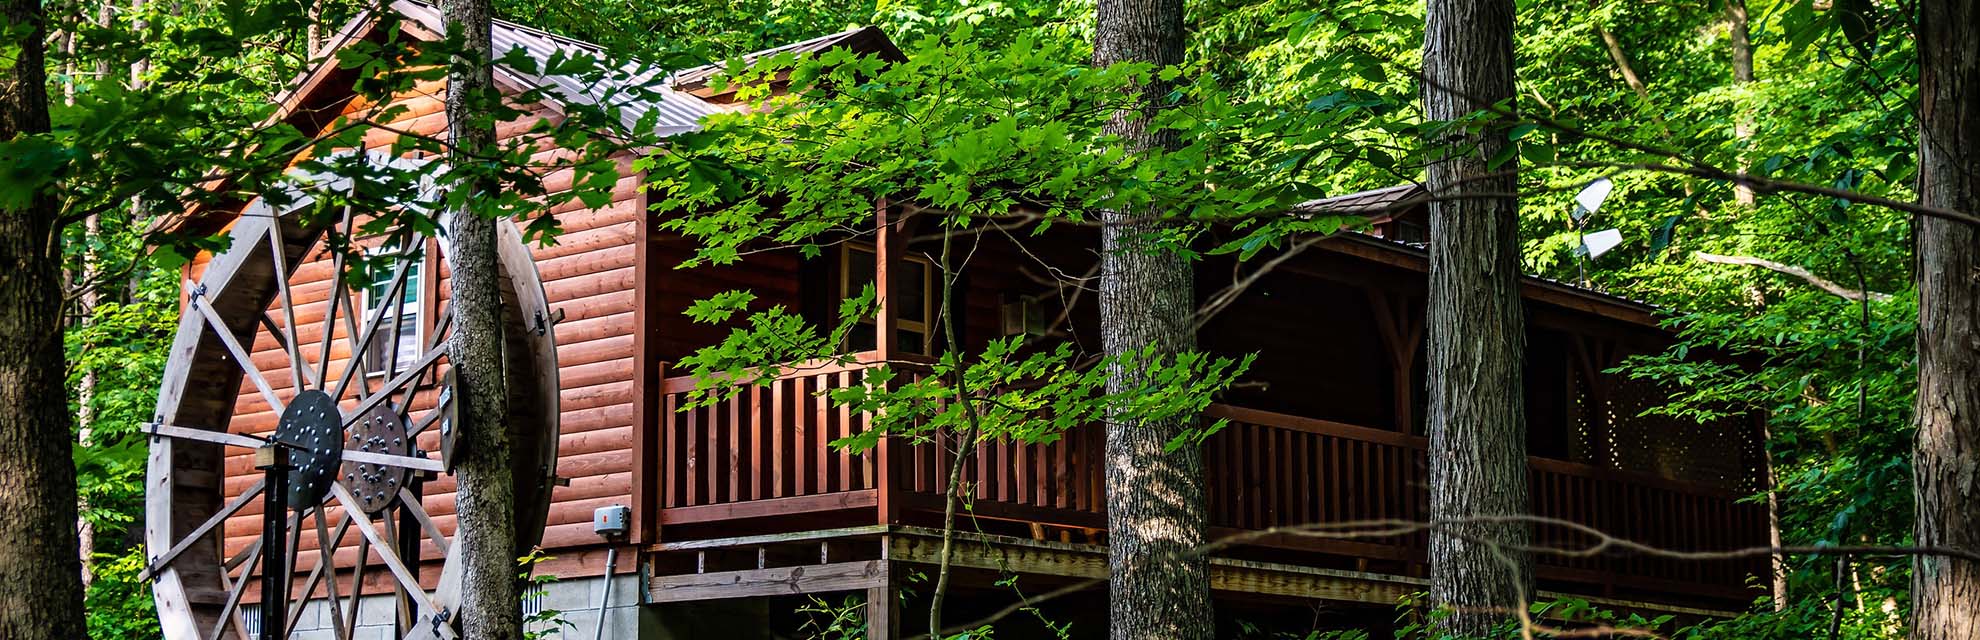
(612, 521)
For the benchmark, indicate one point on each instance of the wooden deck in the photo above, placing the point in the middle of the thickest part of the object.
(761, 463)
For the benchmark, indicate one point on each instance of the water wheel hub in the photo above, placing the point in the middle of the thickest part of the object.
(379, 431)
(311, 428)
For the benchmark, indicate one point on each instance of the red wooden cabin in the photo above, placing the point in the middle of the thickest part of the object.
(742, 512)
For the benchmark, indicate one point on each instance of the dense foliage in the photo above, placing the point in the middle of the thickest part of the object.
(996, 110)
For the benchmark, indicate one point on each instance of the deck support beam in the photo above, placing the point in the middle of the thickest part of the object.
(779, 581)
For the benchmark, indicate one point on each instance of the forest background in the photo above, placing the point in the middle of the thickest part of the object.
(1828, 98)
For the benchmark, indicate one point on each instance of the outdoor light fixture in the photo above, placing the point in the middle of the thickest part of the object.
(1591, 197)
(1592, 245)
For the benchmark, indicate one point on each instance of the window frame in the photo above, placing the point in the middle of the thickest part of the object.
(413, 310)
(929, 295)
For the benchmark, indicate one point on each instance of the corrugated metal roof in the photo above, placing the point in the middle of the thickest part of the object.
(867, 37)
(634, 90)
(1381, 205)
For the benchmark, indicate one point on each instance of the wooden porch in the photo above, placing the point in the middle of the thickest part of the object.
(760, 464)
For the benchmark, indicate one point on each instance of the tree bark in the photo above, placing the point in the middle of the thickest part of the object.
(491, 607)
(1742, 64)
(1475, 327)
(1946, 470)
(1155, 510)
(41, 595)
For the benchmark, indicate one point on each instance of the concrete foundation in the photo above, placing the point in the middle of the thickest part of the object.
(575, 602)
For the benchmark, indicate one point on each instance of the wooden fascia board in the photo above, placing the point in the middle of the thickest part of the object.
(1531, 288)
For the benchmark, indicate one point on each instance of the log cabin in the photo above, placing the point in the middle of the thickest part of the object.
(745, 523)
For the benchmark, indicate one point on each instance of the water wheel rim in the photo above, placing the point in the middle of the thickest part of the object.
(188, 399)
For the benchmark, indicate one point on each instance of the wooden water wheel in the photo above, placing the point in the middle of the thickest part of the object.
(279, 360)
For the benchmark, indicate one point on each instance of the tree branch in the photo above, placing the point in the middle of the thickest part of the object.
(1804, 274)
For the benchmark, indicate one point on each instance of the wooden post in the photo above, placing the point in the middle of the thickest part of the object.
(649, 374)
(883, 610)
(884, 260)
(1402, 331)
(885, 248)
(273, 461)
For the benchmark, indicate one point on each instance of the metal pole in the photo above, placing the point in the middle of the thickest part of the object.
(605, 598)
(273, 461)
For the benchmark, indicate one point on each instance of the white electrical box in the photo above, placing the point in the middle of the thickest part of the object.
(611, 521)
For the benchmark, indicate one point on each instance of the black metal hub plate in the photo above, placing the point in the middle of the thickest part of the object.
(379, 431)
(312, 428)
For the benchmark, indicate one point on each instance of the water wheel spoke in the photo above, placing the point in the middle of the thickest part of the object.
(336, 296)
(206, 527)
(199, 302)
(282, 342)
(433, 415)
(356, 365)
(277, 249)
(397, 305)
(326, 567)
(368, 392)
(440, 328)
(430, 367)
(406, 579)
(416, 463)
(353, 364)
(204, 435)
(411, 373)
(441, 325)
(412, 505)
(357, 578)
(231, 611)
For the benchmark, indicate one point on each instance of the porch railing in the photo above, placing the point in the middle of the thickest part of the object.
(765, 452)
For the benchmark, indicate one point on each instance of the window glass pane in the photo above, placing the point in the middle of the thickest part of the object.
(381, 348)
(910, 291)
(861, 338)
(859, 270)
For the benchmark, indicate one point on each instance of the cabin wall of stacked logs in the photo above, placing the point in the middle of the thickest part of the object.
(590, 274)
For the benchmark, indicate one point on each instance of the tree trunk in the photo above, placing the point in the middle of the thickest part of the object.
(491, 606)
(1155, 510)
(41, 595)
(1742, 63)
(1946, 591)
(86, 399)
(1476, 331)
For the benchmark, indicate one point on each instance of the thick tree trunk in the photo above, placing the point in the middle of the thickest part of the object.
(491, 606)
(41, 593)
(1155, 510)
(1476, 331)
(1946, 591)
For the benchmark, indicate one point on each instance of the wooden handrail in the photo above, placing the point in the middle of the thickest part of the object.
(1354, 432)
(817, 367)
(1262, 418)
(1311, 425)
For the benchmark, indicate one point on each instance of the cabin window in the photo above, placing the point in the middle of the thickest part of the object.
(395, 341)
(913, 288)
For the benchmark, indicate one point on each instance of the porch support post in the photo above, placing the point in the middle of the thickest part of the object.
(883, 610)
(886, 243)
(885, 257)
(1402, 332)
